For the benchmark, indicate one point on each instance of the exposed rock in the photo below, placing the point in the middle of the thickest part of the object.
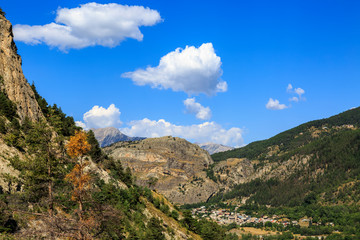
(214, 147)
(234, 171)
(110, 135)
(240, 170)
(18, 90)
(13, 81)
(172, 166)
(6, 170)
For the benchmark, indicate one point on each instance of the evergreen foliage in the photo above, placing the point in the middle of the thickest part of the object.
(336, 155)
(7, 107)
(95, 152)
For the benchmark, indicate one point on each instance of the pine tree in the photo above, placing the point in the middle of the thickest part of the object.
(44, 167)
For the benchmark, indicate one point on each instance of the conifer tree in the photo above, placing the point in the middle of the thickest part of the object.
(43, 167)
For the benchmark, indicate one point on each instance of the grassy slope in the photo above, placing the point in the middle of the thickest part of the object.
(335, 161)
(286, 140)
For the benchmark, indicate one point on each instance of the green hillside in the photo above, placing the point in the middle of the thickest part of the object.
(287, 140)
(326, 188)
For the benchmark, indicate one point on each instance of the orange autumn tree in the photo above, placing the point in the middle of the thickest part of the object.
(77, 148)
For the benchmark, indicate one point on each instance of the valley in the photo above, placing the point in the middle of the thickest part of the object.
(59, 180)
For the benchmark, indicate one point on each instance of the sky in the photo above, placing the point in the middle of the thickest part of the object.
(229, 72)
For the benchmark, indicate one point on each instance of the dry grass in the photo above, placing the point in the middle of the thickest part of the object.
(168, 220)
(253, 231)
(230, 162)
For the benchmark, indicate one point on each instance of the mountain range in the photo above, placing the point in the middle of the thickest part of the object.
(110, 135)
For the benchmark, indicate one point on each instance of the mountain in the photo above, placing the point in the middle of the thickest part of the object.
(214, 147)
(110, 135)
(171, 165)
(316, 159)
(41, 187)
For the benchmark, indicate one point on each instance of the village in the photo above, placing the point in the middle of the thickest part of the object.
(225, 216)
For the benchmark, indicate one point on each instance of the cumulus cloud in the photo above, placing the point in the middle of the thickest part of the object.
(205, 132)
(275, 105)
(191, 70)
(99, 117)
(81, 124)
(201, 112)
(90, 24)
(299, 91)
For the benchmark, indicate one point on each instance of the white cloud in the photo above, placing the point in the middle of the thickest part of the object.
(99, 117)
(81, 124)
(289, 88)
(299, 91)
(191, 70)
(275, 105)
(294, 99)
(201, 112)
(205, 132)
(90, 24)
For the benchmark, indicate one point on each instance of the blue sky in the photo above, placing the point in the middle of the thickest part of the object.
(262, 46)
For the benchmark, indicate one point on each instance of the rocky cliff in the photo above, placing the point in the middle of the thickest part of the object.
(17, 89)
(13, 81)
(172, 166)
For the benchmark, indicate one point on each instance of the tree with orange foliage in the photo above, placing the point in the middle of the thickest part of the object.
(77, 149)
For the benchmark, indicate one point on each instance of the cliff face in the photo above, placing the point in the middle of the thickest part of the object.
(13, 82)
(172, 166)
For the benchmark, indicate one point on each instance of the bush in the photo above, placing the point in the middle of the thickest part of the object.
(165, 209)
(175, 214)
(2, 126)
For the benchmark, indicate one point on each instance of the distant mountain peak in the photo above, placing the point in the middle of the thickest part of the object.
(109, 135)
(214, 147)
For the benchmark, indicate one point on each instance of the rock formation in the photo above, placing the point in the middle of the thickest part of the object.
(172, 166)
(13, 82)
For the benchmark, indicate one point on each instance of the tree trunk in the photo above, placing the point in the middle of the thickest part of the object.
(51, 204)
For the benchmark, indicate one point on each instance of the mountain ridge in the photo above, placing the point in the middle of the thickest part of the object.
(325, 151)
(214, 147)
(110, 135)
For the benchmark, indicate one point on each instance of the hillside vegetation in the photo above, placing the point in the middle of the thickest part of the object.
(312, 170)
(292, 138)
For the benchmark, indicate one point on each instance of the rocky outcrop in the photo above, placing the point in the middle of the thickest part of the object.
(241, 170)
(6, 171)
(214, 147)
(234, 171)
(110, 135)
(12, 80)
(16, 87)
(172, 166)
